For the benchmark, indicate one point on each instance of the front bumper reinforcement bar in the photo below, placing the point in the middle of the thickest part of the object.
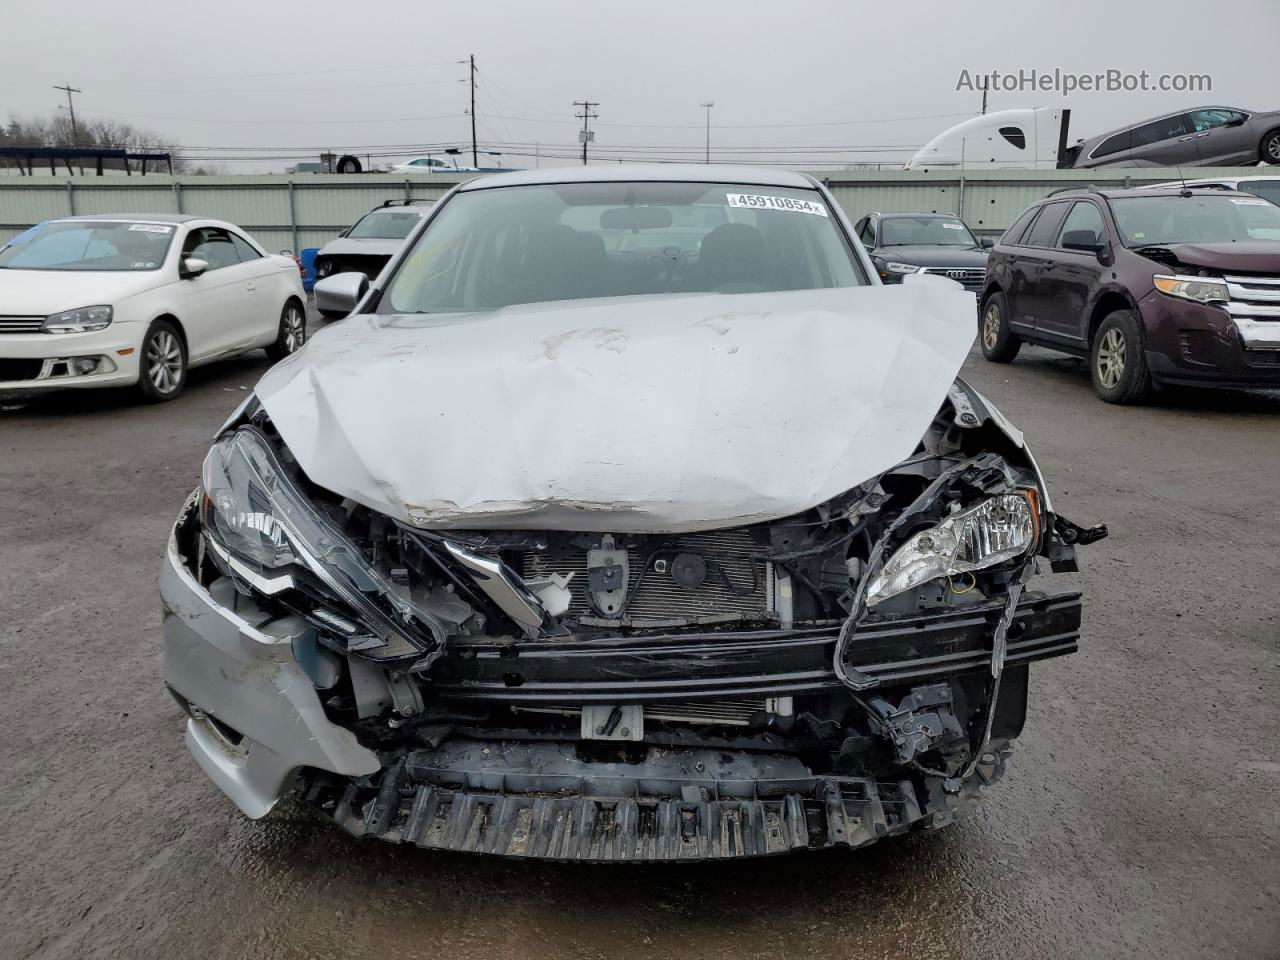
(766, 662)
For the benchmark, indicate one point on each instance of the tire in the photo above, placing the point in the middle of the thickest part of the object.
(162, 373)
(292, 333)
(999, 343)
(1118, 361)
(1269, 148)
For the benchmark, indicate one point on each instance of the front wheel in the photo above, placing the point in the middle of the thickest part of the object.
(163, 371)
(1117, 362)
(292, 333)
(999, 343)
(1269, 149)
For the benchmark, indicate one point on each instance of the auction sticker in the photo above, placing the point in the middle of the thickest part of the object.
(150, 227)
(756, 201)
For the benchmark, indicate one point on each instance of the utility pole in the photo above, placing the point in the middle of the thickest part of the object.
(585, 116)
(71, 107)
(475, 157)
(708, 105)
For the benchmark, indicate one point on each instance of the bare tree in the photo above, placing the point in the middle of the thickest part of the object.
(55, 131)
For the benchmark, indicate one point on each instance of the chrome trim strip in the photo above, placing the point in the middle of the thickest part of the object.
(1261, 281)
(1238, 309)
(502, 587)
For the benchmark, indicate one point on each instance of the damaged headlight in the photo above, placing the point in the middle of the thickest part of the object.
(998, 529)
(249, 506)
(260, 523)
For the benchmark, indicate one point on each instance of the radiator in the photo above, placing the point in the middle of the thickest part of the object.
(736, 582)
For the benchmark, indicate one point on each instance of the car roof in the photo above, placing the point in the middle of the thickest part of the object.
(641, 172)
(1206, 181)
(1174, 191)
(417, 205)
(1160, 191)
(918, 216)
(145, 217)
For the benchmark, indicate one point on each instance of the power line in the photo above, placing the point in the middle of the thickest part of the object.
(279, 121)
(755, 126)
(586, 116)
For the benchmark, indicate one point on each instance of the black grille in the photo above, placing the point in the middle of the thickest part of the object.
(20, 369)
(736, 582)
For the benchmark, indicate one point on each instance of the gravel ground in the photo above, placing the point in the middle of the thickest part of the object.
(1138, 819)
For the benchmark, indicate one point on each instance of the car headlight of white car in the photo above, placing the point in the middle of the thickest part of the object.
(995, 530)
(80, 320)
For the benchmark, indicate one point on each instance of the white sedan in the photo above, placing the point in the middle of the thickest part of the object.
(115, 300)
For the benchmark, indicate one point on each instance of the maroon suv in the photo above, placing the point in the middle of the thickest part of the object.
(1155, 287)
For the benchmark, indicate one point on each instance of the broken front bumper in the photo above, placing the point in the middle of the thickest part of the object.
(257, 727)
(670, 812)
(254, 717)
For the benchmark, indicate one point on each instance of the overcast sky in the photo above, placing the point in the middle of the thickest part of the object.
(800, 81)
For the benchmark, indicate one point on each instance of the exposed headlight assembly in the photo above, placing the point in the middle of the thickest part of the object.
(262, 528)
(83, 320)
(1199, 289)
(995, 530)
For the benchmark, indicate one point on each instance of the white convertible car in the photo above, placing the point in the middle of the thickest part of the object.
(117, 300)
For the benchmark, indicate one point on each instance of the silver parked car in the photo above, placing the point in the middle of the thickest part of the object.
(627, 517)
(1203, 137)
(367, 245)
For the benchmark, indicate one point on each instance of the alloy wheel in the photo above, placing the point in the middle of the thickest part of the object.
(295, 329)
(1111, 356)
(1273, 148)
(991, 326)
(164, 361)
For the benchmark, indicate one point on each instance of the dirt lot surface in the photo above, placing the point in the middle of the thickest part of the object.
(1139, 817)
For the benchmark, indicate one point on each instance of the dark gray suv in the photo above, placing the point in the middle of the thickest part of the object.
(906, 243)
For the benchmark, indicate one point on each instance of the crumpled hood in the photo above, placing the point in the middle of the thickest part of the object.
(1261, 256)
(636, 414)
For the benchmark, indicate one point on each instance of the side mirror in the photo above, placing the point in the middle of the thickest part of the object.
(192, 267)
(338, 294)
(1085, 241)
(986, 242)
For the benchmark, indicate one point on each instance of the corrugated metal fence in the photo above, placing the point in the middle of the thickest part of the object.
(293, 212)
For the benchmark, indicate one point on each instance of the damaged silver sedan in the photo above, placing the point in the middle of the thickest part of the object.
(627, 518)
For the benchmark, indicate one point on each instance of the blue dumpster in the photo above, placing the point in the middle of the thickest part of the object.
(309, 267)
